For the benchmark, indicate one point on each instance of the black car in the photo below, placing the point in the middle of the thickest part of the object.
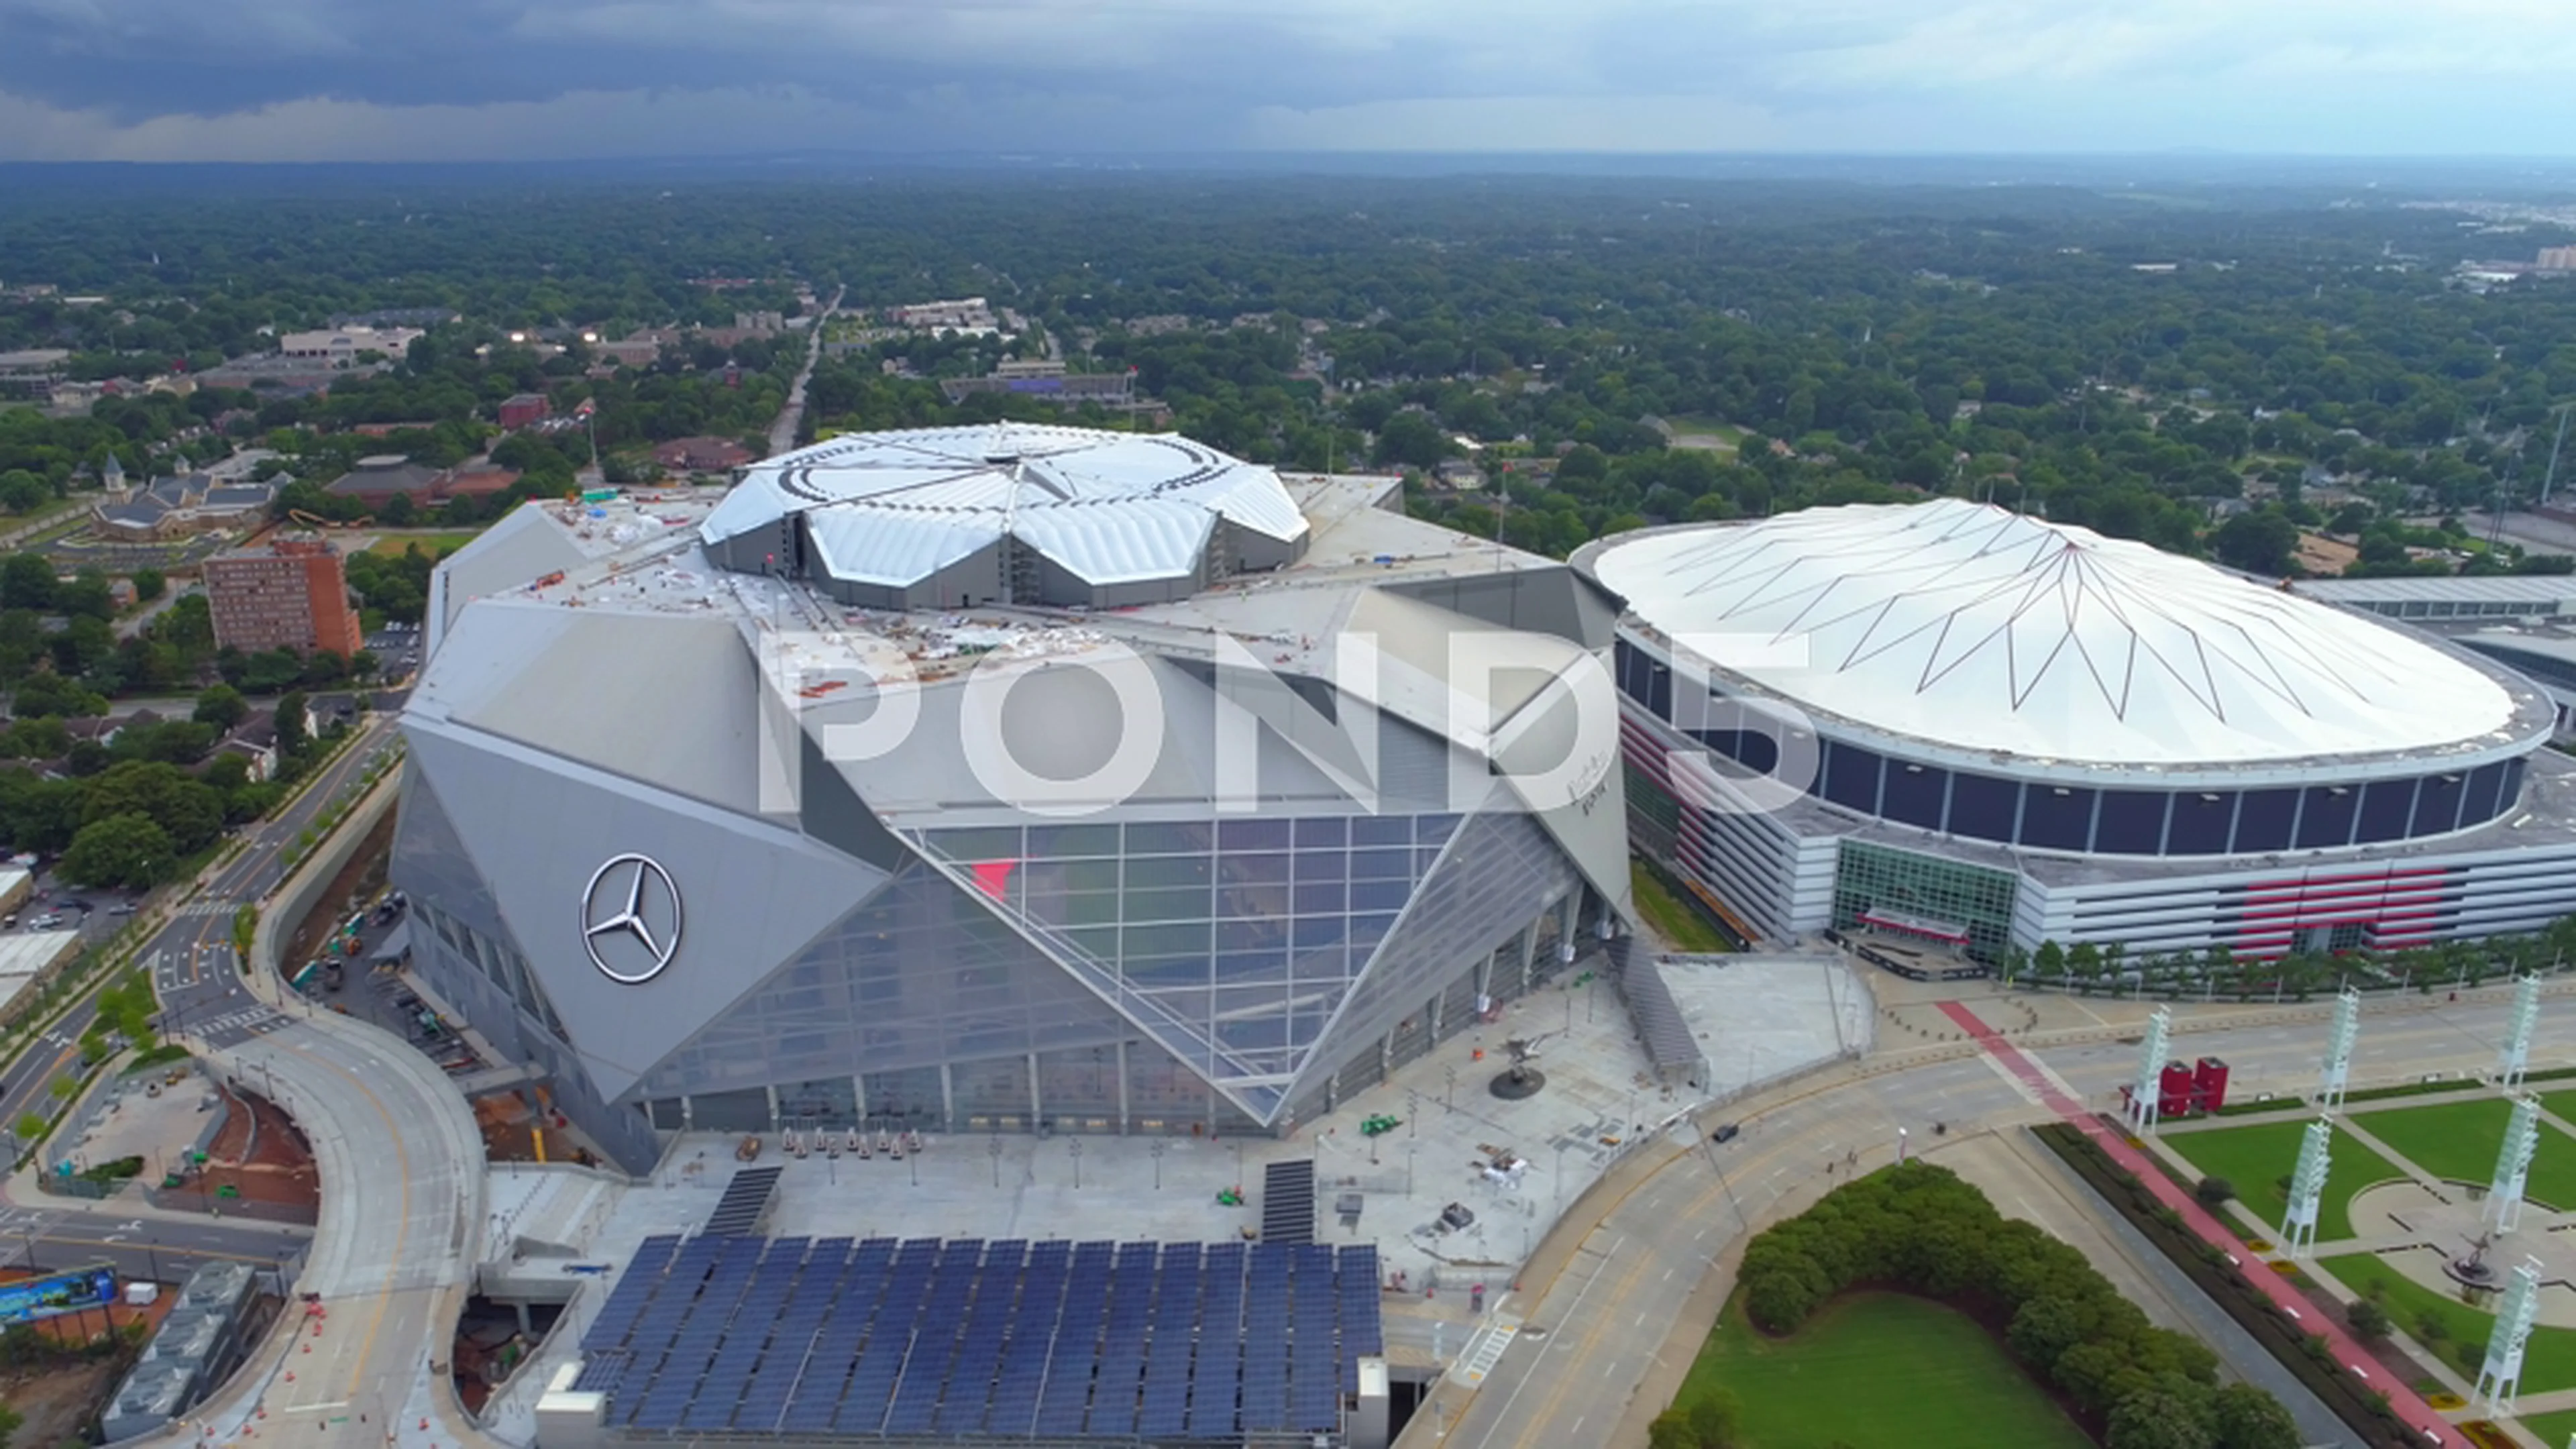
(1727, 1132)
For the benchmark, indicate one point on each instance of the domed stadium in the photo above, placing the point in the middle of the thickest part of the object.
(1960, 725)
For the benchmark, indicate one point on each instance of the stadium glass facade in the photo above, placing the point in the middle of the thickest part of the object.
(1877, 879)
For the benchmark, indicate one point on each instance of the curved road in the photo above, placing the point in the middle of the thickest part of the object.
(1630, 1280)
(401, 1168)
(398, 1155)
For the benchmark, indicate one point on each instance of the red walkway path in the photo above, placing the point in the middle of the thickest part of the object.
(2409, 1405)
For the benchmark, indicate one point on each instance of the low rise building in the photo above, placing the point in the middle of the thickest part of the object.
(180, 507)
(701, 455)
(32, 373)
(341, 346)
(379, 479)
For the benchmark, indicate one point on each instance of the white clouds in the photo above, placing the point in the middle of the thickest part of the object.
(469, 79)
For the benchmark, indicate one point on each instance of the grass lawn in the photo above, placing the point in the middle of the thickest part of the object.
(1725, 434)
(2548, 1360)
(1878, 1369)
(2551, 1428)
(2459, 1141)
(2256, 1158)
(1673, 918)
(432, 544)
(2561, 1105)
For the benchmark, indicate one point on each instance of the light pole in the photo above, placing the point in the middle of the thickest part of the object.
(993, 1150)
(1409, 1150)
(1450, 1100)
(1900, 1144)
(1560, 1179)
(1077, 1164)
(1156, 1152)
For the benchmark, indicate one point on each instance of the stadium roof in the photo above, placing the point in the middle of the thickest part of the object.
(1970, 626)
(2527, 589)
(895, 508)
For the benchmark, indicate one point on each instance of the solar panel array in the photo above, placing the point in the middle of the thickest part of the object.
(931, 1339)
(745, 1199)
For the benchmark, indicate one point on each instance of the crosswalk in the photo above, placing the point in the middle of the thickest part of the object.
(205, 908)
(1486, 1349)
(239, 1025)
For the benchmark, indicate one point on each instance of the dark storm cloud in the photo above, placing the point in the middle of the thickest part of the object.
(456, 79)
(140, 58)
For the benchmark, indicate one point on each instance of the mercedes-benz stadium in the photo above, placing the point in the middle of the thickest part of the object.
(999, 778)
(1954, 724)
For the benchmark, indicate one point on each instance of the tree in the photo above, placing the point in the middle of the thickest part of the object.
(2171, 1413)
(292, 735)
(221, 706)
(29, 1127)
(1412, 440)
(121, 850)
(22, 491)
(187, 810)
(2245, 1417)
(149, 584)
(1672, 1429)
(2049, 960)
(2260, 541)
(27, 582)
(2214, 1191)
(1717, 1421)
(2369, 1321)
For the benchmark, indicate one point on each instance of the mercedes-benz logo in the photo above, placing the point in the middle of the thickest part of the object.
(630, 919)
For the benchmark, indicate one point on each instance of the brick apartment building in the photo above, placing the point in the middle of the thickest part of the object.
(292, 593)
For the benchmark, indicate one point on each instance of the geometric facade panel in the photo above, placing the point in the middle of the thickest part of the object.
(918, 975)
(539, 830)
(1233, 941)
(1501, 871)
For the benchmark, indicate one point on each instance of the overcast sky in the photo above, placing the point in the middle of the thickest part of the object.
(528, 79)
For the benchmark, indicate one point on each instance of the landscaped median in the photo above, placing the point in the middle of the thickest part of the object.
(1903, 1309)
(2304, 1352)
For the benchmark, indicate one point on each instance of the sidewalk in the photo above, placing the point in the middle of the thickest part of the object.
(2409, 1405)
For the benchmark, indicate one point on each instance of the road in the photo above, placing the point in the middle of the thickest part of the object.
(782, 434)
(401, 1168)
(186, 947)
(396, 1149)
(1644, 1251)
(161, 1247)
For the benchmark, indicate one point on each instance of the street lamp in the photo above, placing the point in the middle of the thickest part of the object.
(1900, 1144)
(993, 1150)
(1076, 1144)
(1156, 1152)
(1560, 1179)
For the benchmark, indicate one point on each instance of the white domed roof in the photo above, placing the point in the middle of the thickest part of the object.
(893, 508)
(1970, 626)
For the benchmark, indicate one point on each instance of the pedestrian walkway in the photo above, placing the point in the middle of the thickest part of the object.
(2408, 1405)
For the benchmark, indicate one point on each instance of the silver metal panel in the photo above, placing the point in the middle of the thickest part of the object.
(538, 829)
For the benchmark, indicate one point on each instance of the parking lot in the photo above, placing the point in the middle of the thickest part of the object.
(56, 905)
(397, 651)
(366, 984)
